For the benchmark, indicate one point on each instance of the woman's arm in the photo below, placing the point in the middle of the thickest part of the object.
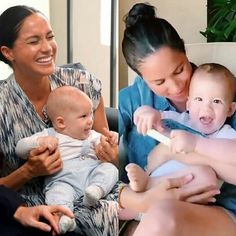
(221, 164)
(39, 163)
(223, 170)
(222, 150)
(17, 178)
(105, 151)
(100, 120)
(9, 202)
(166, 189)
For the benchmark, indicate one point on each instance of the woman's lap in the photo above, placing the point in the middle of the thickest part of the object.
(101, 219)
(91, 221)
(186, 219)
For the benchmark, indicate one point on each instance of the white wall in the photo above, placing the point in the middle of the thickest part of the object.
(58, 20)
(87, 45)
(187, 16)
(43, 6)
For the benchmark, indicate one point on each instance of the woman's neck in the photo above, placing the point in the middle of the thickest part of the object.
(34, 88)
(37, 90)
(180, 106)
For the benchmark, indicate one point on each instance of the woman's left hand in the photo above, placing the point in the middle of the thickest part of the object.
(106, 151)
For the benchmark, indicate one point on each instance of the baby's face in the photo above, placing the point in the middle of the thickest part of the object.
(209, 103)
(79, 121)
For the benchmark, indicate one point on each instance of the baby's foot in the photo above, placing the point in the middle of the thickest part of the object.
(66, 224)
(92, 194)
(137, 176)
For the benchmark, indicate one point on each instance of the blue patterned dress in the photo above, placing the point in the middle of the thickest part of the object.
(19, 119)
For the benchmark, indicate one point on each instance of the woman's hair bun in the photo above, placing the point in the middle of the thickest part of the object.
(139, 11)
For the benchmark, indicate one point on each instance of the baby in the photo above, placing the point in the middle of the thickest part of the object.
(210, 102)
(83, 174)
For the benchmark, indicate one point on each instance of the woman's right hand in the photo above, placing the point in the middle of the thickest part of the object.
(107, 149)
(145, 118)
(42, 162)
(166, 189)
(174, 189)
(199, 195)
(32, 217)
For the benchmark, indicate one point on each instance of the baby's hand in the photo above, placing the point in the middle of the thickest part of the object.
(145, 118)
(111, 136)
(183, 141)
(48, 141)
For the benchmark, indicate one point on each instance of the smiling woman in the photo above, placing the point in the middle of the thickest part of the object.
(27, 44)
(169, 81)
(42, 6)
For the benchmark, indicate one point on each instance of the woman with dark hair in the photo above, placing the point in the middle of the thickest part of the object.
(154, 50)
(28, 46)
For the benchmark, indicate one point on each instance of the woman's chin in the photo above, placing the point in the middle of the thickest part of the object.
(178, 99)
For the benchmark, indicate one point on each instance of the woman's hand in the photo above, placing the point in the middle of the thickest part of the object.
(41, 162)
(145, 118)
(107, 149)
(112, 136)
(30, 217)
(142, 201)
(198, 194)
(172, 188)
(107, 152)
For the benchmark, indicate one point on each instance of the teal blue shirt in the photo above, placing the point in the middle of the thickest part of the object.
(138, 146)
(130, 98)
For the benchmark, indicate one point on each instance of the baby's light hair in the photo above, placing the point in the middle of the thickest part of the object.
(62, 100)
(227, 75)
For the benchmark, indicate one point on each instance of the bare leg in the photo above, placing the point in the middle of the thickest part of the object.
(137, 176)
(185, 219)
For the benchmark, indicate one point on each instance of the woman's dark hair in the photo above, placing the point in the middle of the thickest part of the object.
(11, 21)
(145, 34)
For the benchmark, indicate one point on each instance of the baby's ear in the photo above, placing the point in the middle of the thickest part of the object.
(59, 122)
(232, 109)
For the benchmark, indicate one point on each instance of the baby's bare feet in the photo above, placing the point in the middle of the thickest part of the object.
(137, 176)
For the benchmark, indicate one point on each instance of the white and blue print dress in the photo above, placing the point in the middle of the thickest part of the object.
(19, 119)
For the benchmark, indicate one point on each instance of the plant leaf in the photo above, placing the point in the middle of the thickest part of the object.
(230, 28)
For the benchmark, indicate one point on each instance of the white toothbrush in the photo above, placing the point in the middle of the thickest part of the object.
(159, 137)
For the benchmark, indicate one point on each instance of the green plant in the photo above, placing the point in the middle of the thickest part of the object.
(221, 21)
